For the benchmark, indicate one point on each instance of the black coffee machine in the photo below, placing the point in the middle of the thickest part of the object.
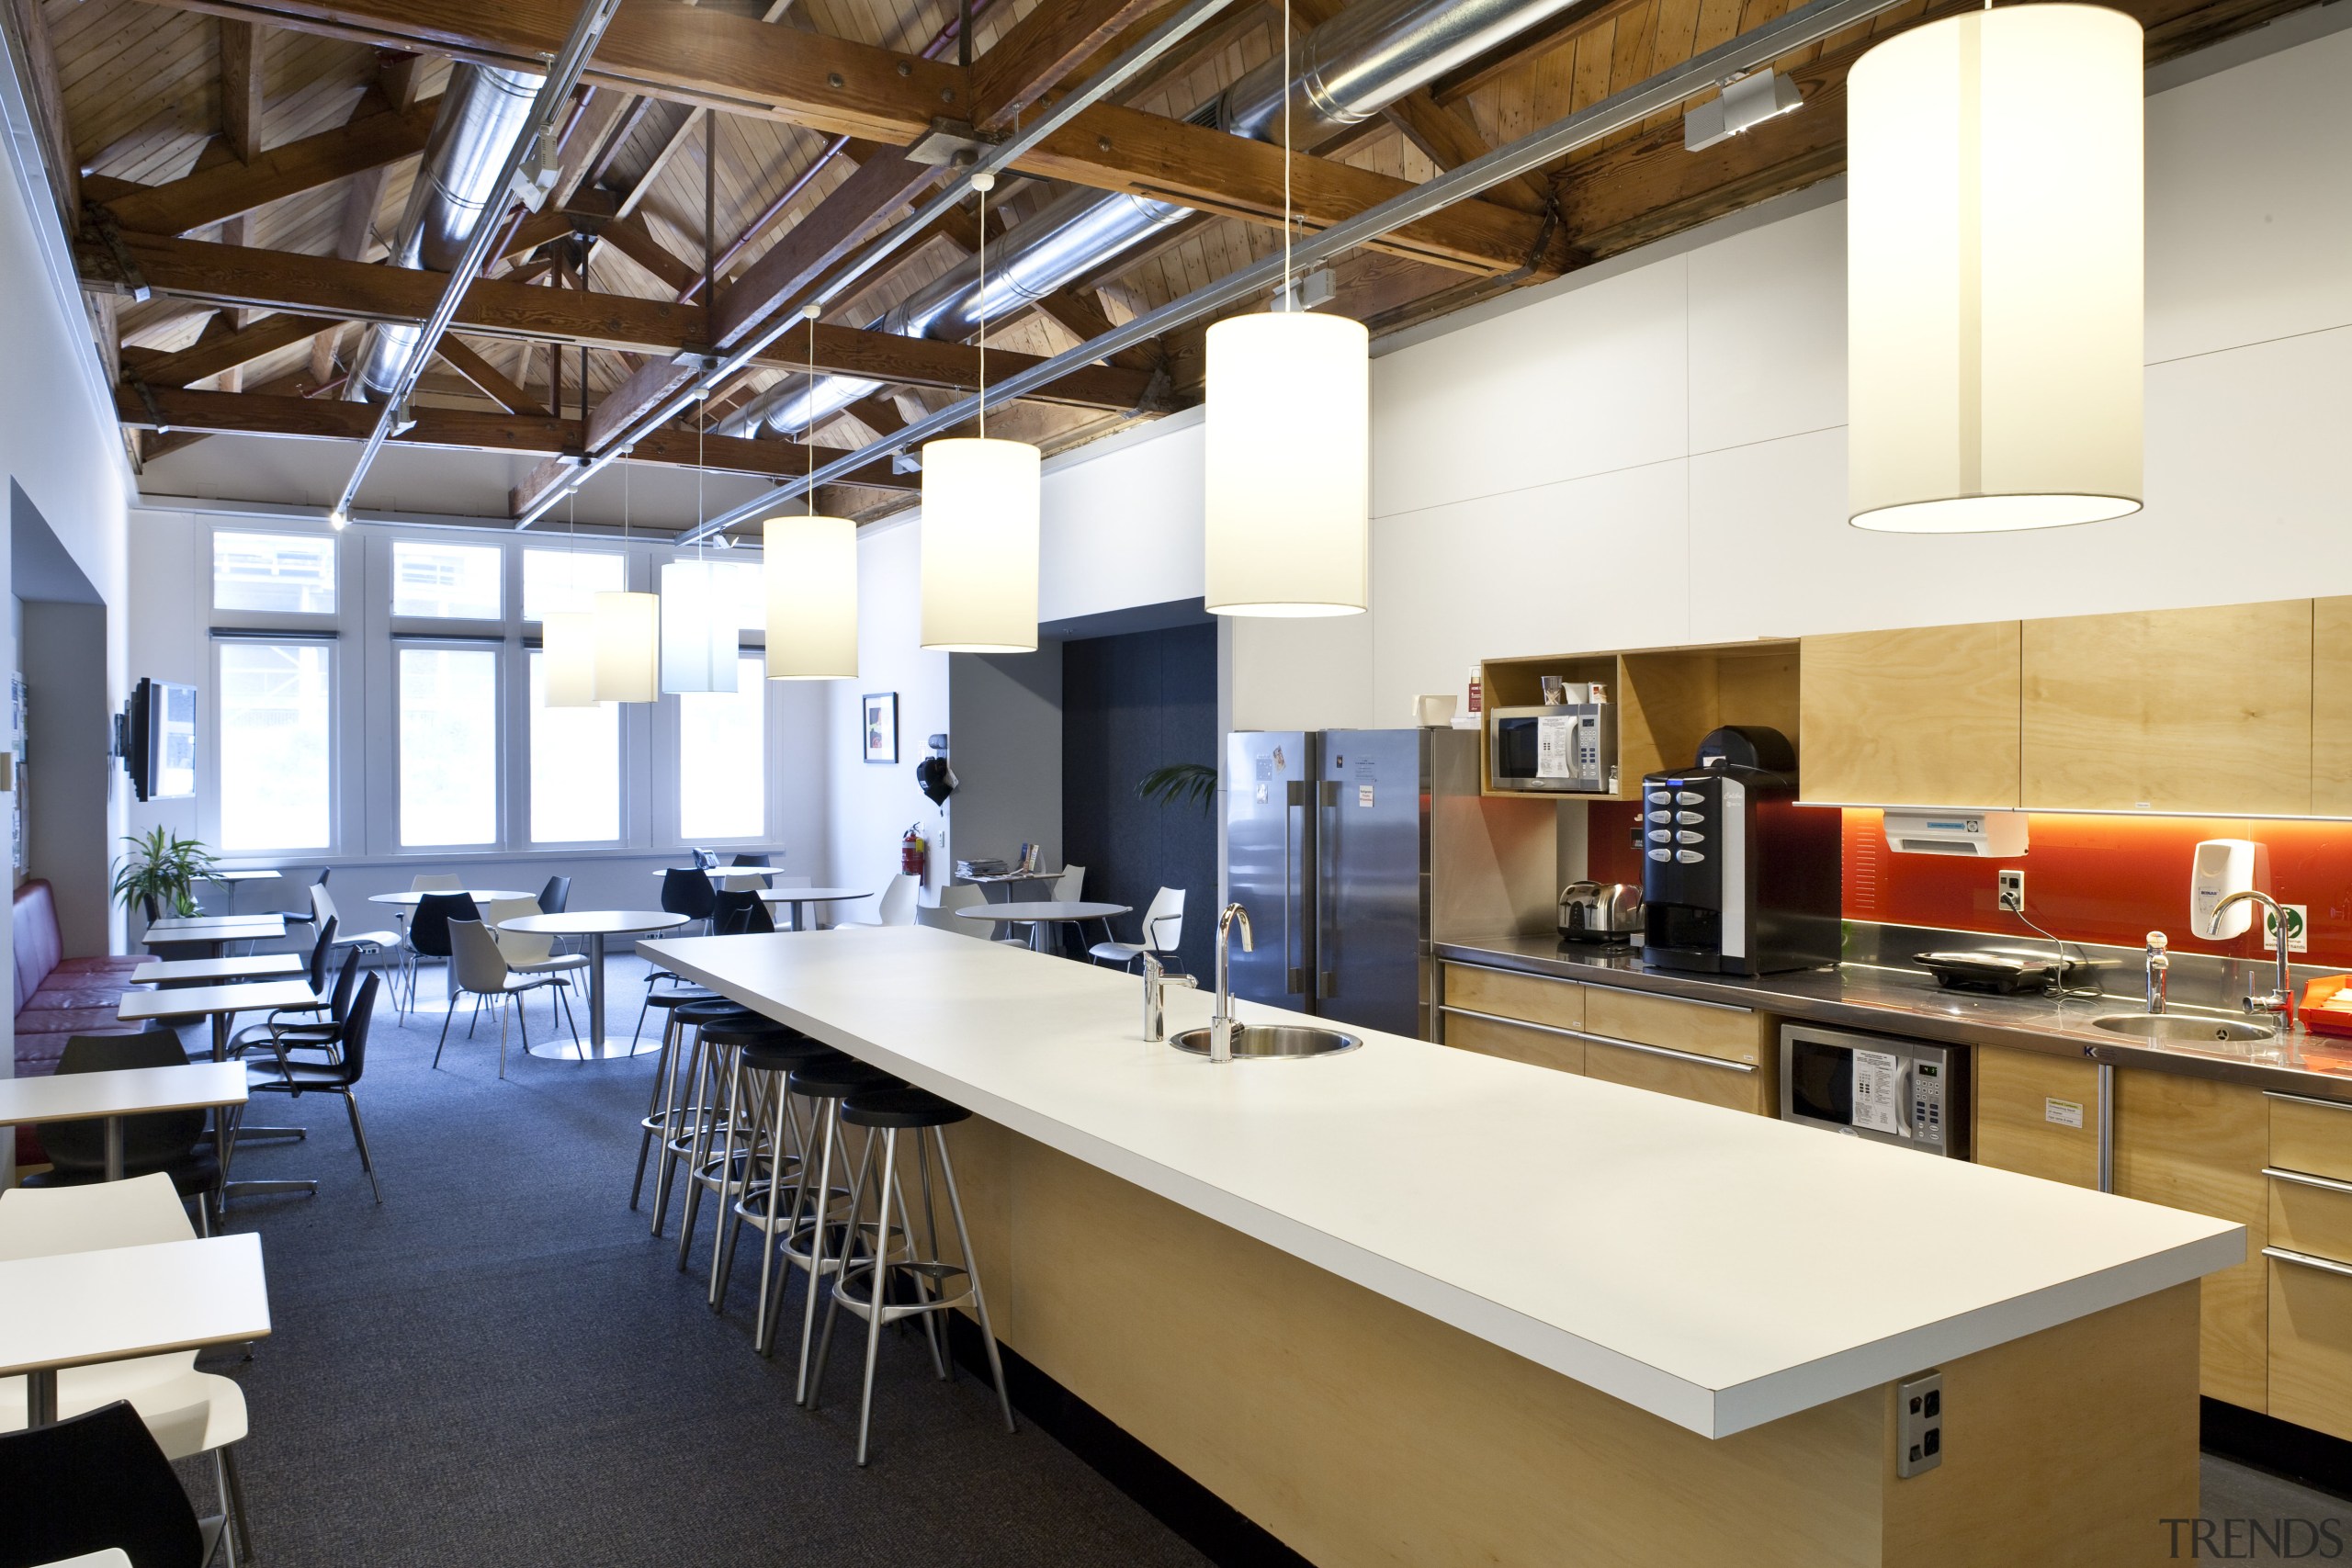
(1736, 877)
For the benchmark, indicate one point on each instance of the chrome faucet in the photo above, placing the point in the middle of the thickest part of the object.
(2280, 1002)
(1155, 981)
(2159, 971)
(1221, 1024)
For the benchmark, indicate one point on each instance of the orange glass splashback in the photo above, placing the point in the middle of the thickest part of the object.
(2108, 880)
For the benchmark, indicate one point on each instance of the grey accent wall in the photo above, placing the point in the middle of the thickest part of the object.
(1005, 740)
(68, 766)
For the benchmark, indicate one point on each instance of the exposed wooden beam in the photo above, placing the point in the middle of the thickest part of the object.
(240, 92)
(226, 275)
(850, 212)
(232, 187)
(1036, 53)
(214, 356)
(629, 236)
(49, 109)
(334, 419)
(1079, 311)
(493, 382)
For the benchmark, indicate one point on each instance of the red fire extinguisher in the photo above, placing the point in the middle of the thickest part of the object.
(913, 854)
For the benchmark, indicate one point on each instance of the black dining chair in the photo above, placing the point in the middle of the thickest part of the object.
(555, 896)
(171, 1142)
(737, 914)
(428, 930)
(751, 858)
(283, 1075)
(76, 1487)
(295, 1032)
(686, 891)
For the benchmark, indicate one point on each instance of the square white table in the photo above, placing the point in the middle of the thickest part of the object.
(127, 1091)
(76, 1309)
(219, 1003)
(217, 971)
(213, 931)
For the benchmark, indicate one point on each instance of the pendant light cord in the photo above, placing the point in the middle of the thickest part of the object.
(982, 184)
(1289, 297)
(808, 429)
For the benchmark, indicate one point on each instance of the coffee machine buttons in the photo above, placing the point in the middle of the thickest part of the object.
(1660, 797)
(1688, 797)
(1683, 817)
(1661, 854)
(1686, 836)
(1661, 835)
(1661, 816)
(1688, 857)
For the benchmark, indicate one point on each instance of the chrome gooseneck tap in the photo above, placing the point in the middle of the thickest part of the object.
(2280, 1002)
(1221, 1024)
(2159, 971)
(1155, 981)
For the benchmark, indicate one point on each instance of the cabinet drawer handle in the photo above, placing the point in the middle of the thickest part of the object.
(2303, 1178)
(2306, 1100)
(1514, 974)
(1567, 1033)
(1674, 998)
(2305, 1260)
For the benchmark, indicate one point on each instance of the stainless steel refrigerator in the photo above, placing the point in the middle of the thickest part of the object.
(1332, 838)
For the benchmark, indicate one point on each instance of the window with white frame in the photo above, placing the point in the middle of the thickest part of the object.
(449, 745)
(565, 581)
(448, 583)
(276, 740)
(275, 573)
(575, 768)
(722, 758)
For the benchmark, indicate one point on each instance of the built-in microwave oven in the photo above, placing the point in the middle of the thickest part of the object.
(1874, 1085)
(1567, 750)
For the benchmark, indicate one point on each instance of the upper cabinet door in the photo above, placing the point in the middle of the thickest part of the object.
(2206, 710)
(2332, 707)
(1925, 715)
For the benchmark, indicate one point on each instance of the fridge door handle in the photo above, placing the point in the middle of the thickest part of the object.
(1294, 975)
(1326, 833)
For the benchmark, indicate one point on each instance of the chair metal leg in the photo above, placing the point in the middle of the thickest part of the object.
(445, 1030)
(726, 1176)
(699, 1149)
(829, 1132)
(654, 1101)
(564, 992)
(877, 1290)
(501, 1038)
(236, 1531)
(359, 1137)
(840, 1264)
(764, 1333)
(682, 1068)
(972, 1273)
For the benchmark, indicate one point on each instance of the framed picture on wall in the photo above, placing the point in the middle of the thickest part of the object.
(881, 726)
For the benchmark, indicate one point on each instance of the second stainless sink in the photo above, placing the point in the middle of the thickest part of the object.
(1263, 1041)
(2181, 1029)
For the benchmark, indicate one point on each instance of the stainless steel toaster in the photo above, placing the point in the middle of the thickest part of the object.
(1601, 911)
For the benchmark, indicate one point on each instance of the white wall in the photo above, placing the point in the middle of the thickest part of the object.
(869, 804)
(1654, 451)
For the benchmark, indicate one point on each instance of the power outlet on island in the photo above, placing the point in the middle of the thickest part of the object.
(2013, 892)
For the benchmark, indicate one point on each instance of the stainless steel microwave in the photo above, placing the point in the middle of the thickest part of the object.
(1872, 1086)
(1570, 750)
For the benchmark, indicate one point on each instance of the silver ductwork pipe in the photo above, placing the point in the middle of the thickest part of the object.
(1344, 72)
(483, 113)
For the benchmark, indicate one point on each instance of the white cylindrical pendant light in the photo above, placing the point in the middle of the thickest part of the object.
(1289, 465)
(568, 647)
(980, 546)
(699, 640)
(628, 647)
(1995, 257)
(811, 567)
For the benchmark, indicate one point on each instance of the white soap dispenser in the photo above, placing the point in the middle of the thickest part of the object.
(2221, 867)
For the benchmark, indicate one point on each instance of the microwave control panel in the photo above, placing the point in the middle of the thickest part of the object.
(1927, 1101)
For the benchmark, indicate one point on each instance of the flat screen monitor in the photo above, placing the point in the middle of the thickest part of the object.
(162, 750)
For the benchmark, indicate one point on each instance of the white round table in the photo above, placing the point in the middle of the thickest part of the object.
(720, 873)
(596, 925)
(1041, 913)
(797, 899)
(410, 898)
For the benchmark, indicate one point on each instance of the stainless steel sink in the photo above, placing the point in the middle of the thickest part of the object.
(2180, 1029)
(1256, 1041)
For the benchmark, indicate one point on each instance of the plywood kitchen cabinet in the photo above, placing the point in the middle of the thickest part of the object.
(2200, 1145)
(2169, 710)
(1521, 1018)
(2332, 707)
(1703, 1051)
(1922, 716)
(1668, 699)
(2037, 1114)
(2311, 1286)
(1736, 1086)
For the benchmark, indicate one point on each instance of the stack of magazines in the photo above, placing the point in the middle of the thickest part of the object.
(973, 870)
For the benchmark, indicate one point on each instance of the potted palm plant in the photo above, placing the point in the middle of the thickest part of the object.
(161, 873)
(1191, 784)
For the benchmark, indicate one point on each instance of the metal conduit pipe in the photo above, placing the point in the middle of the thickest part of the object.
(1345, 71)
(482, 114)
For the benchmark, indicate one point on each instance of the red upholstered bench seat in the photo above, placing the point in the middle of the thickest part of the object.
(57, 996)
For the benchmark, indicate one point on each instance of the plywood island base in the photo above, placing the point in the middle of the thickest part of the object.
(1360, 1432)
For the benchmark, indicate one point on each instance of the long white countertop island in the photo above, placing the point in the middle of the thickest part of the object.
(1719, 1270)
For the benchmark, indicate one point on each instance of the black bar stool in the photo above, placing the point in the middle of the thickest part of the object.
(764, 1202)
(657, 1109)
(685, 1109)
(808, 1231)
(721, 1044)
(864, 1287)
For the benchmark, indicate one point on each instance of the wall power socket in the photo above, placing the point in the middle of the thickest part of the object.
(2013, 892)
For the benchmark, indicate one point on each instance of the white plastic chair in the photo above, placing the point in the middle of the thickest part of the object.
(478, 968)
(532, 952)
(185, 1411)
(941, 916)
(1163, 929)
(436, 882)
(896, 906)
(323, 910)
